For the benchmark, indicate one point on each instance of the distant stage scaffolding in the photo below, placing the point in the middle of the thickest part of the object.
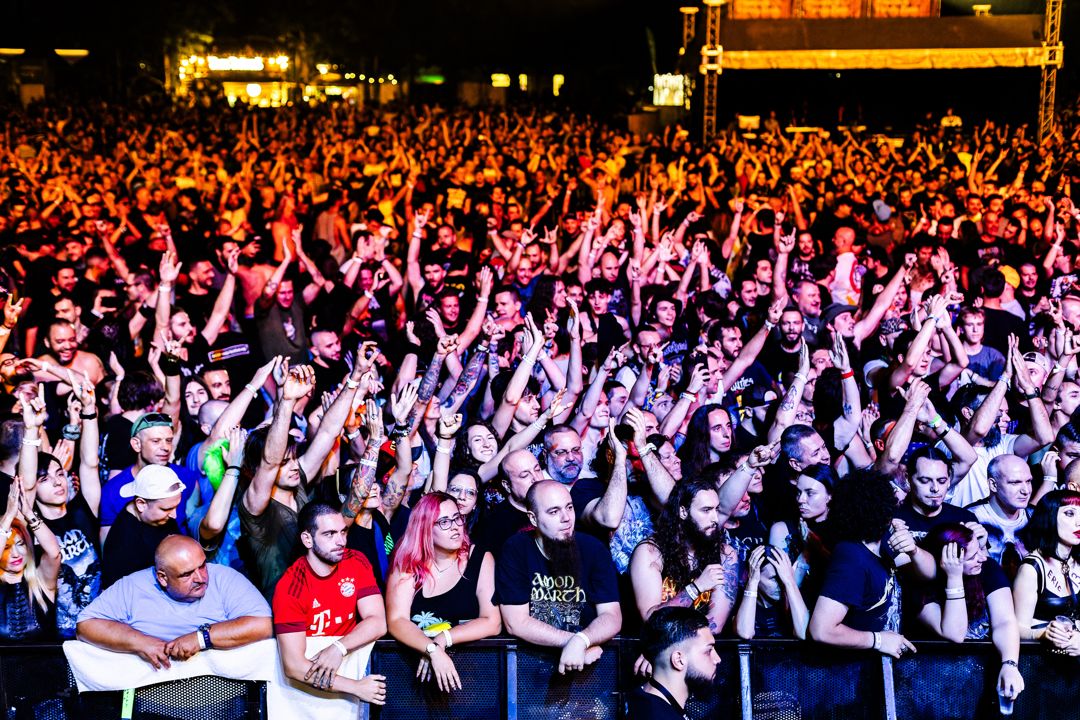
(866, 35)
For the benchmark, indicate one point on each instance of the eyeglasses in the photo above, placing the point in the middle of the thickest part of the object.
(458, 491)
(567, 451)
(445, 523)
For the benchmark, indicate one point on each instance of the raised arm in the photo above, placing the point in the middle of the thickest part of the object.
(534, 337)
(606, 511)
(299, 382)
(217, 515)
(223, 304)
(333, 421)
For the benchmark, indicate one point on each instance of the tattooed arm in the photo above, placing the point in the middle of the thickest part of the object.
(430, 380)
(471, 375)
(398, 483)
(365, 474)
(790, 402)
(647, 578)
(723, 595)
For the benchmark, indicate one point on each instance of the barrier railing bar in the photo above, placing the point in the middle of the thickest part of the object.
(890, 687)
(511, 682)
(744, 683)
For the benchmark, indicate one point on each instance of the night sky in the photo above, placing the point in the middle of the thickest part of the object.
(609, 47)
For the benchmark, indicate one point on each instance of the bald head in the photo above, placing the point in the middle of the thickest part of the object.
(210, 411)
(844, 239)
(180, 568)
(551, 510)
(1010, 482)
(521, 470)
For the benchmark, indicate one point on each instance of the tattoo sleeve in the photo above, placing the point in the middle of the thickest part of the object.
(471, 373)
(361, 484)
(790, 397)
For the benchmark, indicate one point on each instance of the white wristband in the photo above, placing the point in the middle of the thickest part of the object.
(583, 636)
(446, 635)
(340, 646)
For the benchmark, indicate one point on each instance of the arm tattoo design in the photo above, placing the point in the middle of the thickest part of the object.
(789, 398)
(431, 379)
(361, 484)
(731, 576)
(471, 373)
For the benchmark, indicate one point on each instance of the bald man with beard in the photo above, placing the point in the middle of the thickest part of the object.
(555, 587)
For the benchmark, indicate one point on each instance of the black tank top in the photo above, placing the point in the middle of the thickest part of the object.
(1048, 606)
(456, 605)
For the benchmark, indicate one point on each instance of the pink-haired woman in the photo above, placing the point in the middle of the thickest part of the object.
(439, 593)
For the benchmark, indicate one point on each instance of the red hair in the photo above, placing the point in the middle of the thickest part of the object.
(415, 552)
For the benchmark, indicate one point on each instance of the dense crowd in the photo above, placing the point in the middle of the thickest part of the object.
(323, 374)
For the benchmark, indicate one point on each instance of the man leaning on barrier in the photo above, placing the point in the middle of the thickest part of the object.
(558, 588)
(177, 608)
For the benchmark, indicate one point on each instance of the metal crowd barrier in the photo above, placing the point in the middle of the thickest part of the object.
(506, 680)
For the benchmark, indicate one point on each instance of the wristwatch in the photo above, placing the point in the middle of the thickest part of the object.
(432, 648)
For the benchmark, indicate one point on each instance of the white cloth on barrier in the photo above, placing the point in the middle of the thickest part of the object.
(96, 669)
(307, 703)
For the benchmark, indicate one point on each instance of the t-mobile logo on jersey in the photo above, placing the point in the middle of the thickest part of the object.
(321, 621)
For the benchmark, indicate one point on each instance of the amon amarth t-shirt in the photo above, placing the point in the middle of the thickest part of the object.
(523, 575)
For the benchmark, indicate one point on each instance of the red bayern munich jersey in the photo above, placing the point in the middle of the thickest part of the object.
(322, 606)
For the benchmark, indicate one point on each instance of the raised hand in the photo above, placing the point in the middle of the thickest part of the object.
(764, 455)
(401, 404)
(237, 438)
(449, 424)
(168, 268)
(12, 310)
(299, 383)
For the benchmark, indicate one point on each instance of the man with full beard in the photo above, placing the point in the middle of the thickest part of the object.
(677, 643)
(688, 562)
(555, 587)
(985, 419)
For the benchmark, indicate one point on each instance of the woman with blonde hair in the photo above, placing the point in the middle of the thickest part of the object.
(27, 587)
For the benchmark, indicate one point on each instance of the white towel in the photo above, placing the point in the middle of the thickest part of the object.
(305, 702)
(96, 669)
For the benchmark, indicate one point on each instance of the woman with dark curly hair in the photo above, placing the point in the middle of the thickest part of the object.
(859, 604)
(687, 561)
(971, 599)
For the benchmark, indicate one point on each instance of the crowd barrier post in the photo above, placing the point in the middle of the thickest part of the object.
(511, 682)
(889, 687)
(745, 692)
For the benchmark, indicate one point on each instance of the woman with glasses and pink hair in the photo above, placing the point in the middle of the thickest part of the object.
(439, 593)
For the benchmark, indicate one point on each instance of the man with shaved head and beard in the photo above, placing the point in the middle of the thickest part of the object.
(555, 587)
(176, 608)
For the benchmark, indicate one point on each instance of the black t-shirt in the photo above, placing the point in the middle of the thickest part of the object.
(524, 576)
(500, 524)
(80, 574)
(118, 452)
(641, 705)
(1002, 323)
(857, 578)
(457, 605)
(378, 541)
(920, 524)
(130, 546)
